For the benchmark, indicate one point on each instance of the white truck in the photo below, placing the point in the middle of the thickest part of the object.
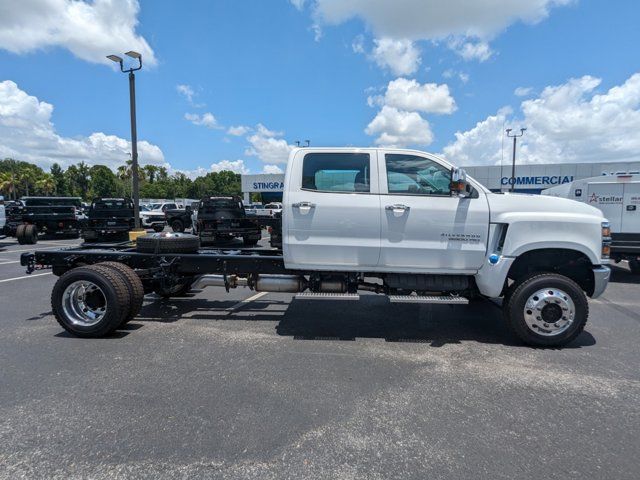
(400, 223)
(617, 196)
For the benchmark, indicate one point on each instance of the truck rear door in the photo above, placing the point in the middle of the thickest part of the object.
(331, 217)
(424, 228)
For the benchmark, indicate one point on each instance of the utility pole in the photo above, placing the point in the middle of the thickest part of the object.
(515, 136)
(135, 190)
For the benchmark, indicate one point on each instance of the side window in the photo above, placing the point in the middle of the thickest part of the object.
(413, 175)
(336, 172)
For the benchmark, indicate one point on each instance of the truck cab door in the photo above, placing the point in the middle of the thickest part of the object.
(331, 210)
(424, 228)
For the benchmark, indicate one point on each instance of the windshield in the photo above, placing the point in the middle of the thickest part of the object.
(154, 206)
(219, 203)
(272, 205)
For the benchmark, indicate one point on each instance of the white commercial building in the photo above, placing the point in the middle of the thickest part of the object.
(528, 178)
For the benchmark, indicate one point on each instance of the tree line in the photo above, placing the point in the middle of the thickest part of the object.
(19, 178)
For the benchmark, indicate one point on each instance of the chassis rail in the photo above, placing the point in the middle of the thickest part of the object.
(224, 261)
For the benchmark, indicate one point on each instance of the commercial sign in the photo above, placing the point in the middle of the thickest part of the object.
(539, 180)
(268, 182)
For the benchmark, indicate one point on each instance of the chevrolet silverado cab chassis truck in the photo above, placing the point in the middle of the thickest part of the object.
(400, 223)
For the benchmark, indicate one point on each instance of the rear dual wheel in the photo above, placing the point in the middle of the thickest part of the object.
(27, 234)
(94, 301)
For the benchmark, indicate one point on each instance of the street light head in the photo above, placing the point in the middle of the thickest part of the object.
(115, 58)
(523, 129)
(509, 130)
(133, 54)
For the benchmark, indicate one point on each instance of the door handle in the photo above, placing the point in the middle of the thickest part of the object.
(397, 206)
(303, 205)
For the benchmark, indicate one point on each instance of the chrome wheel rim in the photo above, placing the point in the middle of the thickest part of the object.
(84, 303)
(549, 312)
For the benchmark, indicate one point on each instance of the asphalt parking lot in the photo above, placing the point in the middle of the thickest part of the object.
(241, 385)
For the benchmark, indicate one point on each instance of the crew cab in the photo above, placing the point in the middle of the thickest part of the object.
(108, 219)
(224, 218)
(400, 223)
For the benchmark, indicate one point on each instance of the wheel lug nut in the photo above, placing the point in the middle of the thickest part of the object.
(538, 318)
(546, 325)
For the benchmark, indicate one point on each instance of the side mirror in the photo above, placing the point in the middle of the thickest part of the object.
(458, 184)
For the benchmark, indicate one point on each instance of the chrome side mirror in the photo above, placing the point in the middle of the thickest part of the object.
(458, 181)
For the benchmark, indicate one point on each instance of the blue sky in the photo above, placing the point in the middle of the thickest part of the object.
(287, 71)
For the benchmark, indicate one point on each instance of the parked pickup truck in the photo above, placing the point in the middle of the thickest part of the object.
(400, 223)
(223, 218)
(108, 219)
(179, 219)
(153, 215)
(269, 210)
(29, 216)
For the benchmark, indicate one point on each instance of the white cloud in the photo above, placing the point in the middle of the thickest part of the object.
(358, 44)
(470, 25)
(299, 4)
(566, 123)
(272, 169)
(523, 91)
(464, 77)
(481, 145)
(27, 133)
(236, 166)
(266, 145)
(238, 130)
(409, 95)
(205, 120)
(186, 91)
(398, 122)
(396, 128)
(471, 50)
(434, 19)
(401, 57)
(89, 30)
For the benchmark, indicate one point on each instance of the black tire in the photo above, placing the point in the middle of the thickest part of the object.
(134, 284)
(177, 226)
(515, 302)
(113, 295)
(634, 266)
(250, 241)
(179, 290)
(168, 243)
(20, 234)
(158, 228)
(31, 234)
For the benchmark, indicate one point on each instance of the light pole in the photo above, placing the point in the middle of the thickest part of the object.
(135, 190)
(515, 136)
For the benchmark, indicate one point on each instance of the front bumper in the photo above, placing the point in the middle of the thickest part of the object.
(601, 275)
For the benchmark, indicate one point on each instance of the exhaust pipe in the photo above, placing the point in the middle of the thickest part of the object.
(263, 283)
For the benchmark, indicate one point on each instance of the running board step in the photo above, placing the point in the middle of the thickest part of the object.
(441, 299)
(326, 296)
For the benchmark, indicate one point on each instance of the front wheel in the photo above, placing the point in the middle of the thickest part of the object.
(634, 266)
(546, 310)
(158, 228)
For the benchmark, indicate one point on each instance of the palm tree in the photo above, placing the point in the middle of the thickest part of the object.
(7, 184)
(150, 172)
(163, 174)
(46, 184)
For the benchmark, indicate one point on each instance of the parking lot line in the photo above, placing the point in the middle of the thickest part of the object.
(35, 248)
(246, 301)
(26, 276)
(7, 263)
